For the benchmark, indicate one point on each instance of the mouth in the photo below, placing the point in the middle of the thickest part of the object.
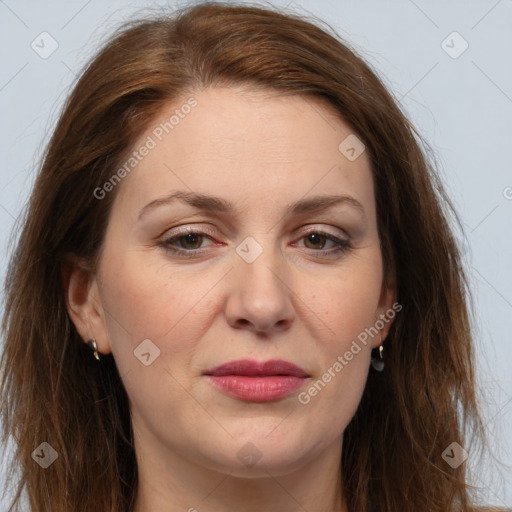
(254, 381)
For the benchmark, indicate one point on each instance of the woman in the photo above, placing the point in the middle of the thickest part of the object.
(236, 285)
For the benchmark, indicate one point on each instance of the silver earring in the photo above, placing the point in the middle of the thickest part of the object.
(94, 347)
(378, 363)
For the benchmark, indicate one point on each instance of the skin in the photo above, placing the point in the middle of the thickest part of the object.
(261, 152)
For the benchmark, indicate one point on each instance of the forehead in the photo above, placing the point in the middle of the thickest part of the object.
(250, 146)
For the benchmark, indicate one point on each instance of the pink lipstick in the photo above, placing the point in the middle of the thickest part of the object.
(255, 381)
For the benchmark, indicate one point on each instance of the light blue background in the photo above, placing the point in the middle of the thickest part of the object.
(462, 106)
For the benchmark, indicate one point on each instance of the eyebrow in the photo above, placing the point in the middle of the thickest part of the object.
(217, 204)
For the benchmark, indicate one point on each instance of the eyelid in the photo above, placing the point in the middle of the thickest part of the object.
(185, 230)
(341, 243)
(202, 230)
(314, 228)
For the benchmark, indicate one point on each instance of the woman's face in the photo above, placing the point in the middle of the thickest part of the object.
(268, 272)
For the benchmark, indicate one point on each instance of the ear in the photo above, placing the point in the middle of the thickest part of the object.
(83, 303)
(386, 312)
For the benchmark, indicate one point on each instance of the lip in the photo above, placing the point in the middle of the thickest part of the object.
(255, 381)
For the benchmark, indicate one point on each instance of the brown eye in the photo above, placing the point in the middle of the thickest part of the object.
(317, 240)
(190, 241)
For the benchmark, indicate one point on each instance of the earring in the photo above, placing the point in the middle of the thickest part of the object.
(94, 347)
(378, 363)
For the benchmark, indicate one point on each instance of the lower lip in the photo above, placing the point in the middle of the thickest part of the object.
(257, 389)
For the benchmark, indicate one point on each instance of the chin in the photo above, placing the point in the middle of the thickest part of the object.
(258, 456)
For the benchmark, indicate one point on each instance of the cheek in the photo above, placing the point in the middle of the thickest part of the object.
(144, 297)
(147, 302)
(331, 400)
(344, 360)
(137, 289)
(347, 306)
(348, 303)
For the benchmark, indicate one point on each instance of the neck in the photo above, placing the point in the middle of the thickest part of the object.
(170, 483)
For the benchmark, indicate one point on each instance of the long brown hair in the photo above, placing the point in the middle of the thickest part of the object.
(53, 391)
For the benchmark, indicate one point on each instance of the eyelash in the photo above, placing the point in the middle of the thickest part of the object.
(342, 245)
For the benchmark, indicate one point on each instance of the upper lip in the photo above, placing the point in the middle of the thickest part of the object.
(251, 368)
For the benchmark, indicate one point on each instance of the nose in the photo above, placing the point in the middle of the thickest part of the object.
(259, 298)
